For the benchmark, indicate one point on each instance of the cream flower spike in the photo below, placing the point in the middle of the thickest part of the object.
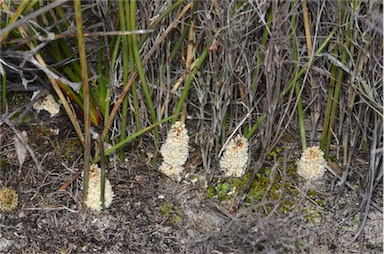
(47, 103)
(94, 187)
(311, 166)
(171, 171)
(235, 157)
(8, 199)
(175, 150)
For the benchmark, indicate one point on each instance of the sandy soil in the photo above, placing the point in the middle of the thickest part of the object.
(152, 214)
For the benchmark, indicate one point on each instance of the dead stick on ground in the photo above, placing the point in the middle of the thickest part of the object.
(67, 183)
(373, 204)
(25, 144)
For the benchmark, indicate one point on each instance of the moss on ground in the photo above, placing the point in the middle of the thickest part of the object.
(171, 213)
(266, 188)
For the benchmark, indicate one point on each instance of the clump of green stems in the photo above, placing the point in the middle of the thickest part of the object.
(154, 86)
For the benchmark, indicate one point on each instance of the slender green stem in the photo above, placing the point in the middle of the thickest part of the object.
(180, 41)
(293, 81)
(15, 16)
(300, 114)
(255, 126)
(84, 70)
(107, 106)
(124, 111)
(135, 99)
(300, 117)
(137, 134)
(260, 55)
(159, 19)
(145, 61)
(142, 76)
(304, 68)
(328, 108)
(189, 82)
(334, 99)
(102, 173)
(101, 88)
(336, 95)
(115, 52)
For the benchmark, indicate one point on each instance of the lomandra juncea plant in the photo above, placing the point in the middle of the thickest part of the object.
(8, 199)
(235, 157)
(94, 189)
(175, 151)
(311, 165)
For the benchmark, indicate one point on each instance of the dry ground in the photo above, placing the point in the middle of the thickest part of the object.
(152, 214)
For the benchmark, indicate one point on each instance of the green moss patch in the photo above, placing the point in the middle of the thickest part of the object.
(171, 213)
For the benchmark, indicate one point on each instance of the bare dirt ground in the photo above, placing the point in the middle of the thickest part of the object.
(152, 214)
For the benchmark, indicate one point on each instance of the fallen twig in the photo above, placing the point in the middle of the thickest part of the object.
(373, 203)
(25, 144)
(67, 183)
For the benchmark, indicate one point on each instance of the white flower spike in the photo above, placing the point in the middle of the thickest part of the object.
(47, 102)
(175, 150)
(235, 157)
(94, 187)
(171, 171)
(311, 166)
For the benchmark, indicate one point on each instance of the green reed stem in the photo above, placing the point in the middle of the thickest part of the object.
(340, 77)
(135, 99)
(115, 46)
(159, 19)
(15, 16)
(124, 111)
(189, 82)
(142, 77)
(293, 81)
(295, 54)
(327, 117)
(145, 61)
(84, 76)
(101, 88)
(260, 55)
(102, 173)
(104, 90)
(133, 136)
(304, 68)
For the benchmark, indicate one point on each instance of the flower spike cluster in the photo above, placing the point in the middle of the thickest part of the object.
(94, 188)
(8, 199)
(235, 157)
(175, 151)
(311, 165)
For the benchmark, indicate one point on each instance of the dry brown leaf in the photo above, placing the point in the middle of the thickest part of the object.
(335, 167)
(21, 151)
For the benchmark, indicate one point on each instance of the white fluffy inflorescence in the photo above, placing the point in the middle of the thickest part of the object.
(46, 102)
(175, 151)
(311, 166)
(94, 188)
(235, 157)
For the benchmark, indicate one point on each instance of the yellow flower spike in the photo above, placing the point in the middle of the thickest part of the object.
(8, 199)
